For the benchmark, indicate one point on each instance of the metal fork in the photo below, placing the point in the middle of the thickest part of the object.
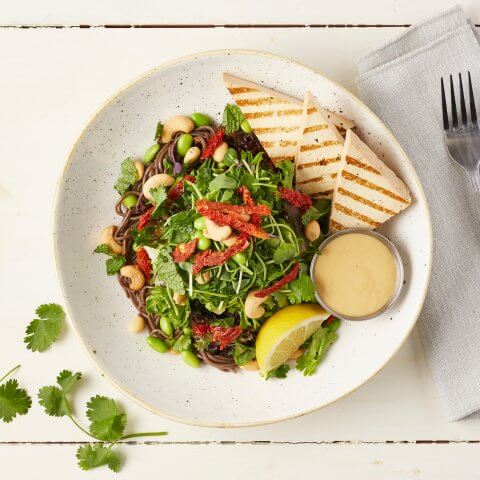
(463, 141)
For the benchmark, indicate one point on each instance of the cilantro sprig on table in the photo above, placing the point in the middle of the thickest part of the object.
(107, 422)
(43, 331)
(13, 399)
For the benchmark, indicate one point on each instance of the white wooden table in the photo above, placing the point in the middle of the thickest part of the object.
(52, 78)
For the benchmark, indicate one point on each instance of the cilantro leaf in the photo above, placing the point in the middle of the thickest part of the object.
(97, 455)
(158, 131)
(242, 354)
(302, 290)
(67, 380)
(54, 399)
(318, 210)
(280, 372)
(43, 331)
(166, 271)
(107, 422)
(159, 197)
(318, 345)
(13, 401)
(113, 264)
(128, 176)
(232, 118)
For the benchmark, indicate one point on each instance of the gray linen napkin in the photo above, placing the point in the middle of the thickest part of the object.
(400, 82)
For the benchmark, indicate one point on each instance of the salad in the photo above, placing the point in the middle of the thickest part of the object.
(212, 240)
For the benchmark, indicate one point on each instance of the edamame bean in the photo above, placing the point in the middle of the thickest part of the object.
(157, 344)
(200, 119)
(203, 243)
(151, 153)
(184, 142)
(245, 126)
(333, 325)
(190, 359)
(200, 223)
(240, 258)
(166, 326)
(130, 201)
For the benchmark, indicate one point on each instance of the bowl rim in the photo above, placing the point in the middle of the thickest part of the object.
(398, 265)
(68, 163)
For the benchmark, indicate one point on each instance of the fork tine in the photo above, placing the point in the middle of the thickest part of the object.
(463, 108)
(473, 111)
(446, 125)
(454, 106)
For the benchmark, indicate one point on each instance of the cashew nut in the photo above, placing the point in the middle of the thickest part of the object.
(312, 230)
(192, 155)
(140, 168)
(136, 325)
(132, 272)
(216, 232)
(253, 305)
(106, 237)
(230, 240)
(203, 277)
(155, 181)
(250, 366)
(220, 152)
(179, 298)
(176, 124)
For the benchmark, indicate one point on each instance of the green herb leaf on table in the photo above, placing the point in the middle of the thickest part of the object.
(280, 372)
(242, 354)
(317, 346)
(128, 176)
(54, 399)
(302, 290)
(232, 118)
(318, 210)
(97, 455)
(43, 331)
(113, 264)
(107, 422)
(159, 198)
(13, 399)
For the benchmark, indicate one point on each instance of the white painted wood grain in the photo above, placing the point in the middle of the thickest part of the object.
(219, 12)
(259, 462)
(51, 81)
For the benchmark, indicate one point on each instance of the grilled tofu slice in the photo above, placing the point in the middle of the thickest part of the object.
(367, 193)
(274, 117)
(319, 151)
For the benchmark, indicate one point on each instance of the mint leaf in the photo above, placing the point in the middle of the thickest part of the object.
(107, 422)
(232, 118)
(114, 264)
(128, 176)
(280, 372)
(97, 455)
(318, 345)
(242, 354)
(13, 401)
(160, 196)
(302, 290)
(166, 271)
(43, 331)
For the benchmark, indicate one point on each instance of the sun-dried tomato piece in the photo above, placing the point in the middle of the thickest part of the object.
(145, 219)
(297, 199)
(144, 264)
(214, 141)
(184, 251)
(177, 190)
(248, 200)
(289, 277)
(225, 335)
(236, 209)
(200, 329)
(233, 221)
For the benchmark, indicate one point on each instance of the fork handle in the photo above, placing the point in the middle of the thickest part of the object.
(474, 177)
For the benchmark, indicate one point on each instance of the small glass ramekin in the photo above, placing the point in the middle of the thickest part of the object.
(396, 258)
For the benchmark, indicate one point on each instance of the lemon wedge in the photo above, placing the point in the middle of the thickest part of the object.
(284, 332)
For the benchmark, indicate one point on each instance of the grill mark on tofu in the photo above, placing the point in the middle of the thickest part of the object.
(317, 163)
(365, 201)
(260, 101)
(265, 130)
(280, 158)
(314, 128)
(267, 144)
(336, 225)
(316, 146)
(311, 180)
(354, 214)
(373, 186)
(236, 90)
(363, 166)
(288, 143)
(271, 113)
(323, 194)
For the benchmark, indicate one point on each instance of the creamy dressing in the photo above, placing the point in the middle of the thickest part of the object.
(355, 275)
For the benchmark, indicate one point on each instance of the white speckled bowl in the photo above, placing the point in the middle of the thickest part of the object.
(98, 309)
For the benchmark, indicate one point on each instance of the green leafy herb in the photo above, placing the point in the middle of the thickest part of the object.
(160, 303)
(158, 131)
(114, 263)
(232, 118)
(280, 372)
(159, 199)
(242, 354)
(97, 455)
(146, 236)
(166, 271)
(128, 176)
(13, 399)
(302, 290)
(107, 422)
(45, 330)
(222, 181)
(284, 252)
(183, 343)
(317, 346)
(223, 322)
(318, 210)
(230, 157)
(288, 172)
